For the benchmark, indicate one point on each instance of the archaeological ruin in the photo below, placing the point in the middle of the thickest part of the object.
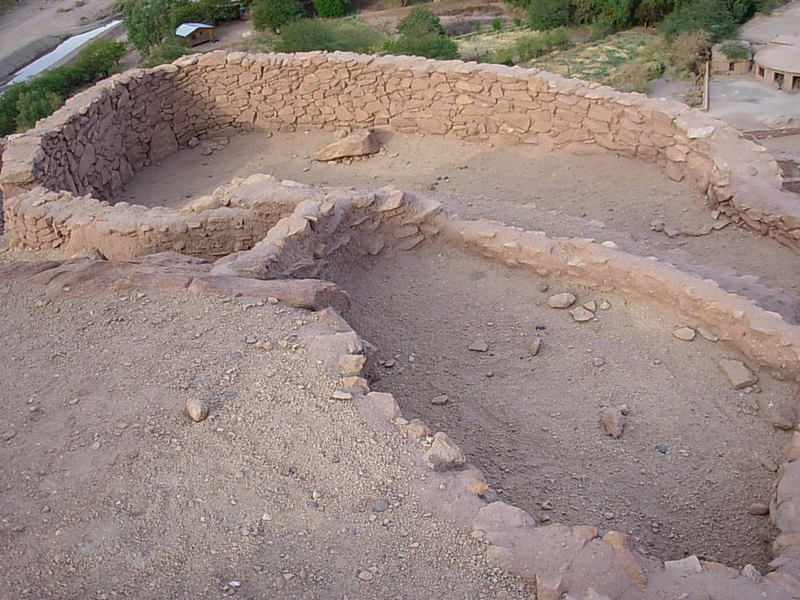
(263, 237)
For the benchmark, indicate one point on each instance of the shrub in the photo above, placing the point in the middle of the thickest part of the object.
(517, 22)
(497, 24)
(316, 34)
(533, 46)
(274, 14)
(710, 15)
(24, 103)
(419, 23)
(149, 22)
(735, 50)
(548, 14)
(687, 50)
(430, 46)
(635, 76)
(34, 104)
(329, 9)
(600, 27)
(165, 52)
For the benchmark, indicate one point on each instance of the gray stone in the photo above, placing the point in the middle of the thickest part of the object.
(444, 454)
(562, 300)
(758, 509)
(581, 315)
(197, 409)
(690, 564)
(440, 400)
(250, 339)
(751, 573)
(535, 346)
(382, 505)
(479, 346)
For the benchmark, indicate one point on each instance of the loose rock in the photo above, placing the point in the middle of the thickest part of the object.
(685, 334)
(440, 400)
(197, 409)
(758, 509)
(443, 454)
(690, 564)
(359, 143)
(562, 300)
(613, 420)
(737, 373)
(581, 315)
(535, 346)
(479, 346)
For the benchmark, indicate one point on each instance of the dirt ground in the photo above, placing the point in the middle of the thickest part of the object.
(108, 490)
(532, 423)
(523, 186)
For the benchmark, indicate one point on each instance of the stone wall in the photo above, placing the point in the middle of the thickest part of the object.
(97, 141)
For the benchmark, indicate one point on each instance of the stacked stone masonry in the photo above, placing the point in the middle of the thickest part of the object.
(100, 138)
(260, 230)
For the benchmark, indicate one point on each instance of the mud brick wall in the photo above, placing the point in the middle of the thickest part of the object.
(100, 138)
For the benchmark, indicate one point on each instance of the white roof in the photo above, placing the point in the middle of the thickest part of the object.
(189, 28)
(781, 54)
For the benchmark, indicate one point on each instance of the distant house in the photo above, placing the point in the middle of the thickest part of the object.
(195, 33)
(779, 63)
(722, 64)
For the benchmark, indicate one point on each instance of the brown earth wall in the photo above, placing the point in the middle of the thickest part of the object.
(100, 138)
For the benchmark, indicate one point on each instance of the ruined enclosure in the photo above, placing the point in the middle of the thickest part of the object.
(454, 306)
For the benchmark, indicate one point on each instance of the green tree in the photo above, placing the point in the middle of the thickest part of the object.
(709, 15)
(329, 9)
(274, 14)
(149, 22)
(419, 23)
(548, 14)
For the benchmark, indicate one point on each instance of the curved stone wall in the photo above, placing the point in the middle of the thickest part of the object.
(96, 142)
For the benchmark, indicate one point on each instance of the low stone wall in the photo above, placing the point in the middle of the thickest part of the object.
(95, 143)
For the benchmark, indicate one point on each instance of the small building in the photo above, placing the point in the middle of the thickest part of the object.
(195, 33)
(724, 64)
(779, 63)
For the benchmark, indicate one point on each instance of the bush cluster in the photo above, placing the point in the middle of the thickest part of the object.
(22, 104)
(151, 23)
(422, 34)
(318, 34)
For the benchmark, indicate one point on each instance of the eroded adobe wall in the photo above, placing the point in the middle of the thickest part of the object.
(101, 137)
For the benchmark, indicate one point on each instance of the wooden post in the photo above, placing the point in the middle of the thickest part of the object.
(706, 82)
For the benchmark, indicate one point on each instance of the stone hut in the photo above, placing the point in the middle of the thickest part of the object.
(779, 63)
(722, 64)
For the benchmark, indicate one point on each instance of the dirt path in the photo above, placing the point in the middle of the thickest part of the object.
(108, 490)
(604, 197)
(532, 423)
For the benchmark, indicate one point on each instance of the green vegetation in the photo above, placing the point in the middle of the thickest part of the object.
(735, 50)
(548, 14)
(719, 17)
(422, 34)
(274, 14)
(329, 9)
(22, 104)
(152, 23)
(315, 34)
(710, 15)
(602, 61)
(534, 46)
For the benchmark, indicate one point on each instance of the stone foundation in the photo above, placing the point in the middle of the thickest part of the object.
(100, 138)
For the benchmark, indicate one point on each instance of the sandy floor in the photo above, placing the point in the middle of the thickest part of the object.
(533, 423)
(763, 28)
(107, 490)
(524, 186)
(733, 99)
